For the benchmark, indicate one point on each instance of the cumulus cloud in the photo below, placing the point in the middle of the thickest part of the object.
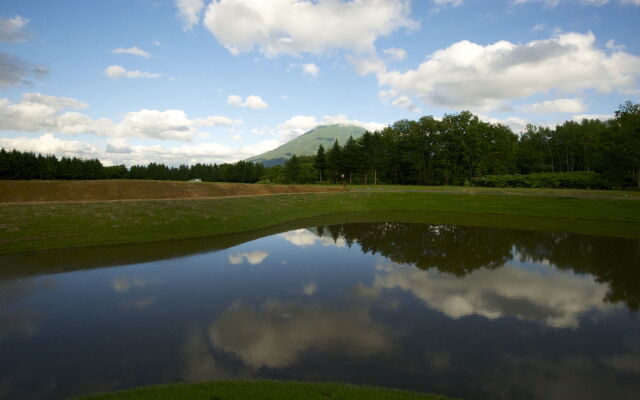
(306, 238)
(168, 124)
(189, 12)
(277, 334)
(516, 124)
(253, 258)
(12, 29)
(311, 69)
(299, 124)
(557, 299)
(304, 26)
(119, 151)
(50, 114)
(40, 113)
(15, 71)
(136, 51)
(117, 72)
(49, 144)
(556, 106)
(253, 102)
(469, 75)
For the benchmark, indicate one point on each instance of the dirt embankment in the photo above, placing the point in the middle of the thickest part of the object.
(38, 191)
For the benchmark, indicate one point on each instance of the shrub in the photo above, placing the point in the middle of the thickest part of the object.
(566, 180)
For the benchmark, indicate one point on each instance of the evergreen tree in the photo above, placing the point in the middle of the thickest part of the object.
(334, 160)
(320, 162)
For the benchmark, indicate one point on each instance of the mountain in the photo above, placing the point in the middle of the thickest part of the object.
(307, 143)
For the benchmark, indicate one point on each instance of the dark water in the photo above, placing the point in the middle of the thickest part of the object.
(478, 313)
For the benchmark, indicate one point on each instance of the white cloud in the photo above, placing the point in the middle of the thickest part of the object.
(277, 334)
(117, 72)
(516, 124)
(299, 124)
(305, 238)
(304, 26)
(557, 299)
(311, 69)
(253, 102)
(49, 144)
(40, 113)
(395, 54)
(556, 106)
(168, 124)
(136, 51)
(469, 75)
(253, 258)
(601, 117)
(12, 29)
(189, 12)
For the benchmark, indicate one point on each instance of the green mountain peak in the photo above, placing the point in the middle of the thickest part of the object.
(307, 143)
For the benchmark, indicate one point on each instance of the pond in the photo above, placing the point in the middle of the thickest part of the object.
(472, 312)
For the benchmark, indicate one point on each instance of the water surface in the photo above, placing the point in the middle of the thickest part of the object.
(479, 313)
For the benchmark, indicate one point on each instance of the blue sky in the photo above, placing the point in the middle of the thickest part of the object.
(184, 81)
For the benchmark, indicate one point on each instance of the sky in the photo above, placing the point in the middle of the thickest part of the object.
(186, 81)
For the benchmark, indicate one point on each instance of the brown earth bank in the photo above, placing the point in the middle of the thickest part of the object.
(35, 191)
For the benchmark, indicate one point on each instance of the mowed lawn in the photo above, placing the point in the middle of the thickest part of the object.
(28, 227)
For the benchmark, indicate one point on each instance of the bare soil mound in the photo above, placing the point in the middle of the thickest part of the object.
(38, 191)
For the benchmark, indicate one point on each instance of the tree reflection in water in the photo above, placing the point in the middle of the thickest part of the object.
(460, 250)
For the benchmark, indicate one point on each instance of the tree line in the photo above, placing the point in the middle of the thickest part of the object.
(460, 148)
(27, 165)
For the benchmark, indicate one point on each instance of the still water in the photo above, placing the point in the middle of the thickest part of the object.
(478, 313)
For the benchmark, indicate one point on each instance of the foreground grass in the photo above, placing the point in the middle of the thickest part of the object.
(262, 390)
(31, 227)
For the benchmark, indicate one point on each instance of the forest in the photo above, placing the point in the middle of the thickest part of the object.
(458, 149)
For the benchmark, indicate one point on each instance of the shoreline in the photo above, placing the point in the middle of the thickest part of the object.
(32, 227)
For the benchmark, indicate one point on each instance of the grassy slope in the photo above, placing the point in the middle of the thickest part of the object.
(262, 390)
(31, 227)
(24, 191)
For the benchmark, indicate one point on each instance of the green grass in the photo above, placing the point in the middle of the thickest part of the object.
(498, 191)
(31, 227)
(262, 390)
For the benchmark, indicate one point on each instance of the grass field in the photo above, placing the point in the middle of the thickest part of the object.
(631, 194)
(262, 390)
(26, 227)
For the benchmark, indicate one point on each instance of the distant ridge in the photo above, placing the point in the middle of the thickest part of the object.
(307, 143)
